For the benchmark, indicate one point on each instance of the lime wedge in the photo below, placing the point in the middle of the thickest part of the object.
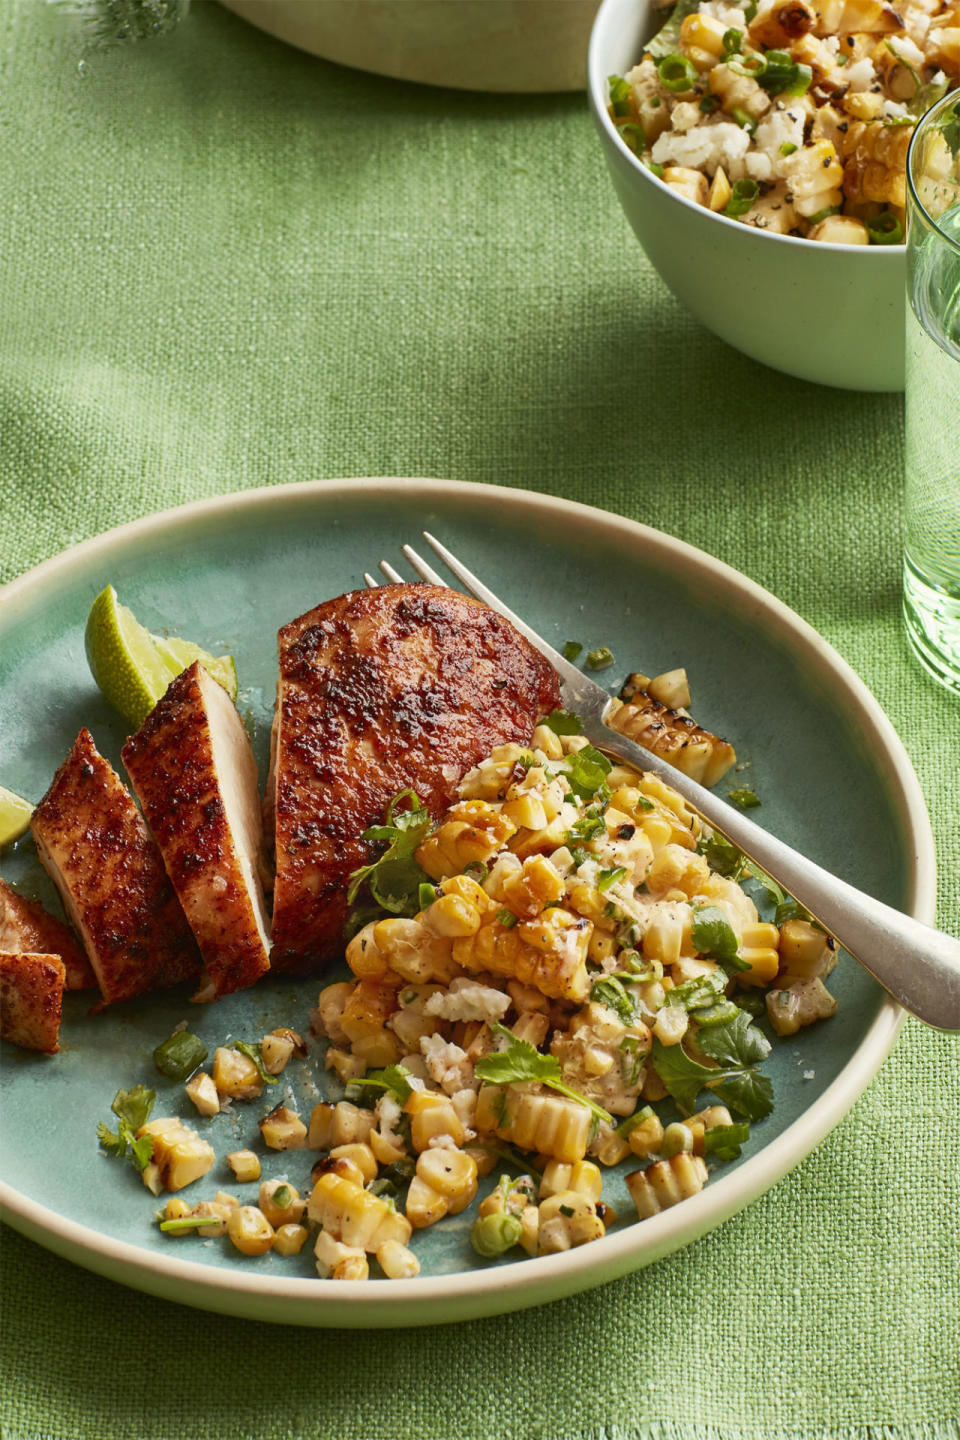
(15, 815)
(132, 667)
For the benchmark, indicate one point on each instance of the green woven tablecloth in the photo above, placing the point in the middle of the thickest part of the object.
(225, 265)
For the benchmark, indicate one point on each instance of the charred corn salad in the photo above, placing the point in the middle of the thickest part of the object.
(793, 116)
(560, 976)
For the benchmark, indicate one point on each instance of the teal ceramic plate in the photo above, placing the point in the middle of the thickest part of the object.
(834, 779)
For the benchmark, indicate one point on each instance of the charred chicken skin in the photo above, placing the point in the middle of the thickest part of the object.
(405, 686)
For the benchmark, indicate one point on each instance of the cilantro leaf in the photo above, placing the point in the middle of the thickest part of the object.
(394, 879)
(132, 1109)
(395, 1079)
(724, 1141)
(586, 770)
(606, 878)
(683, 1077)
(735, 1042)
(667, 37)
(252, 1052)
(563, 722)
(610, 991)
(748, 1092)
(714, 936)
(521, 1062)
(746, 798)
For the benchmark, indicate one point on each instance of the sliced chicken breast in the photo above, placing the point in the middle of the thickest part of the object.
(31, 1000)
(26, 928)
(91, 838)
(193, 771)
(405, 686)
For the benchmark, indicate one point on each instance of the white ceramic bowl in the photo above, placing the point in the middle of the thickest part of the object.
(502, 45)
(828, 313)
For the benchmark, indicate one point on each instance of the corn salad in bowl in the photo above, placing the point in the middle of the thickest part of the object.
(790, 116)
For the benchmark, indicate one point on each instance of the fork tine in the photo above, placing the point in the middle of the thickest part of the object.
(425, 571)
(392, 575)
(372, 582)
(476, 588)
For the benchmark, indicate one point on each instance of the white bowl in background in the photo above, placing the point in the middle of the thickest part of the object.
(501, 45)
(829, 313)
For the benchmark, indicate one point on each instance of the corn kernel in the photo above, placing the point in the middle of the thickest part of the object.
(203, 1093)
(396, 1261)
(361, 1155)
(235, 1074)
(244, 1164)
(250, 1231)
(290, 1239)
(283, 1129)
(280, 1202)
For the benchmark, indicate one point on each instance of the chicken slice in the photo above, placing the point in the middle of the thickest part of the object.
(31, 999)
(672, 735)
(405, 686)
(91, 838)
(193, 771)
(26, 928)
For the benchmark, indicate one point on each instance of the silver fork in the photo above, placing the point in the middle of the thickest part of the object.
(917, 965)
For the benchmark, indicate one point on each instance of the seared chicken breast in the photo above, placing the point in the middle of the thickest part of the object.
(91, 838)
(31, 1000)
(405, 686)
(26, 928)
(193, 771)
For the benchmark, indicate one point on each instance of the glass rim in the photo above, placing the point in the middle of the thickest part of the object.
(930, 118)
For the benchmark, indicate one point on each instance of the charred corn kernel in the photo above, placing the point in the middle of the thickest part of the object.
(759, 947)
(280, 1202)
(548, 1124)
(203, 1093)
(451, 1173)
(876, 156)
(535, 885)
(413, 953)
(277, 1048)
(608, 1147)
(566, 1220)
(364, 1019)
(347, 1067)
(332, 1253)
(692, 184)
(842, 17)
(362, 1156)
(666, 1183)
(702, 39)
(677, 868)
(235, 1074)
(677, 1140)
(396, 1261)
(366, 960)
(250, 1231)
(583, 1177)
(432, 1115)
(354, 1267)
(290, 1239)
(474, 831)
(353, 1215)
(451, 916)
(244, 1164)
(331, 1002)
(338, 1165)
(720, 191)
(549, 953)
(179, 1155)
(802, 1004)
(321, 1127)
(779, 24)
(738, 92)
(644, 1139)
(282, 1129)
(425, 1206)
(806, 953)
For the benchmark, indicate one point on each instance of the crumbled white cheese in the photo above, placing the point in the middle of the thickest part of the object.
(447, 1064)
(893, 110)
(705, 148)
(731, 15)
(758, 165)
(780, 126)
(684, 116)
(860, 75)
(468, 1000)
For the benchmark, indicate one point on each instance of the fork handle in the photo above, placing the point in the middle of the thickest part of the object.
(917, 965)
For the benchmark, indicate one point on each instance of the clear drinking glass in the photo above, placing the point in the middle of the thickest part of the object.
(931, 567)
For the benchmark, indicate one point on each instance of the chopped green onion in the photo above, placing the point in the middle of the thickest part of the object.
(677, 73)
(606, 878)
(752, 65)
(190, 1222)
(884, 229)
(180, 1055)
(708, 104)
(632, 1121)
(573, 647)
(782, 75)
(282, 1196)
(749, 11)
(743, 118)
(718, 1014)
(507, 918)
(742, 198)
(634, 138)
(787, 148)
(732, 42)
(619, 95)
(724, 1141)
(495, 1234)
(823, 214)
(426, 895)
(655, 168)
(744, 797)
(599, 659)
